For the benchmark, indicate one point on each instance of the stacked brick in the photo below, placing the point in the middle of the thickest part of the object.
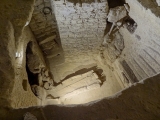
(81, 27)
(44, 27)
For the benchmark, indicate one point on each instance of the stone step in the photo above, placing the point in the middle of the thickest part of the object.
(73, 80)
(79, 82)
(83, 83)
(78, 77)
(81, 90)
(48, 39)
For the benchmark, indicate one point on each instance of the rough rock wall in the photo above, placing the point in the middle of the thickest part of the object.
(141, 54)
(12, 22)
(138, 102)
(22, 96)
(81, 27)
(15, 35)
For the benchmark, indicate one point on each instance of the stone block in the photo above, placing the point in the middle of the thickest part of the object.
(79, 21)
(72, 80)
(79, 35)
(40, 35)
(72, 35)
(93, 86)
(85, 5)
(64, 34)
(102, 5)
(90, 24)
(92, 15)
(84, 82)
(102, 25)
(37, 32)
(89, 9)
(73, 22)
(75, 17)
(84, 15)
(48, 39)
(60, 18)
(103, 15)
(94, 5)
(68, 4)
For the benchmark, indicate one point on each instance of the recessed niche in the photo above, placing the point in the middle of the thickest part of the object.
(24, 84)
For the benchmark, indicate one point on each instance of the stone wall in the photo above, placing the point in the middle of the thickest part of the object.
(141, 54)
(81, 27)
